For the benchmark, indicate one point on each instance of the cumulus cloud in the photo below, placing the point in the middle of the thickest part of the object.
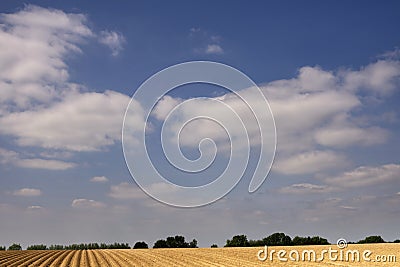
(33, 45)
(315, 115)
(381, 77)
(40, 107)
(113, 40)
(27, 192)
(82, 203)
(99, 179)
(80, 122)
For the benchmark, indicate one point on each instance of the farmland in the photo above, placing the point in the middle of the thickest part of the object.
(193, 257)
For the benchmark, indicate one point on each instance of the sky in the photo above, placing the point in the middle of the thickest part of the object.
(68, 69)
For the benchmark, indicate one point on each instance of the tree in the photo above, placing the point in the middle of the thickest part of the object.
(140, 244)
(396, 241)
(174, 242)
(37, 247)
(214, 245)
(15, 247)
(237, 241)
(57, 247)
(193, 244)
(160, 244)
(2, 248)
(372, 239)
(315, 240)
(277, 239)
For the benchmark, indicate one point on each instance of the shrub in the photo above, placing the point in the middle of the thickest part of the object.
(214, 245)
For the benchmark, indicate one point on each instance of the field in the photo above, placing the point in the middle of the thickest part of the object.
(197, 257)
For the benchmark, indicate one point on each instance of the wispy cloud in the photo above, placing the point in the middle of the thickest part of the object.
(206, 43)
(27, 192)
(214, 49)
(115, 41)
(82, 203)
(306, 188)
(99, 179)
(13, 158)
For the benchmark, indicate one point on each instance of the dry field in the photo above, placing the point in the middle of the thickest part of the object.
(193, 257)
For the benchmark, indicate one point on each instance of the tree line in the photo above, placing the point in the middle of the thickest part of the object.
(276, 239)
(280, 239)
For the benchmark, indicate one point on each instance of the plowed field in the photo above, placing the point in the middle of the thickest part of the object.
(381, 255)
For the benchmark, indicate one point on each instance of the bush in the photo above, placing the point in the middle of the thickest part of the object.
(37, 247)
(372, 239)
(140, 244)
(2, 248)
(396, 241)
(214, 245)
(15, 247)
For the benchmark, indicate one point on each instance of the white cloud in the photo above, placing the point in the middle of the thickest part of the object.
(309, 162)
(381, 77)
(126, 191)
(35, 208)
(39, 106)
(315, 115)
(113, 40)
(348, 207)
(27, 192)
(47, 164)
(343, 134)
(12, 157)
(214, 49)
(99, 179)
(80, 122)
(87, 203)
(366, 176)
(306, 188)
(33, 45)
(164, 107)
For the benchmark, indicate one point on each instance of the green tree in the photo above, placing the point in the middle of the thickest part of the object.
(237, 241)
(193, 244)
(396, 241)
(140, 244)
(214, 245)
(372, 239)
(315, 240)
(15, 247)
(160, 244)
(2, 248)
(37, 247)
(277, 239)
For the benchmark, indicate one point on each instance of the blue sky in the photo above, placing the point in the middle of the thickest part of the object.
(331, 72)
